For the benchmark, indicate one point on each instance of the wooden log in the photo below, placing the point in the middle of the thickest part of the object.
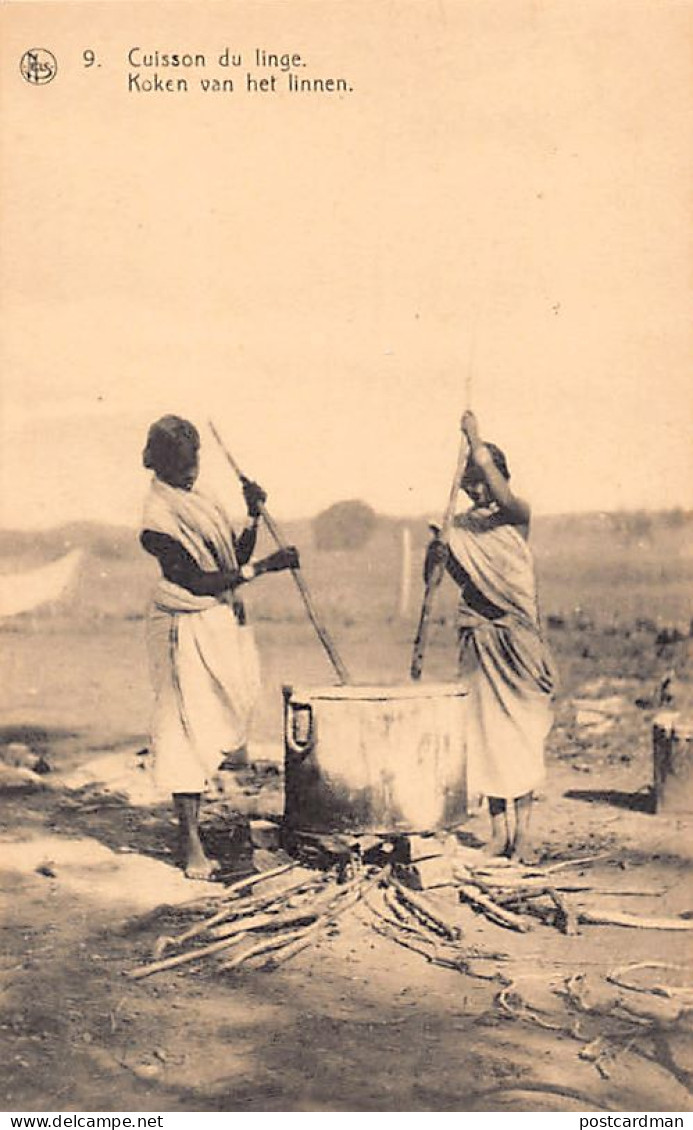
(401, 922)
(566, 918)
(426, 946)
(396, 908)
(422, 907)
(351, 893)
(502, 917)
(253, 880)
(636, 921)
(234, 910)
(541, 883)
(179, 959)
(258, 948)
(192, 955)
(291, 949)
(265, 923)
(274, 919)
(584, 861)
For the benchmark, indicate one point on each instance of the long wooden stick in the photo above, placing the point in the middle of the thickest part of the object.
(237, 909)
(436, 574)
(503, 917)
(615, 918)
(420, 906)
(179, 959)
(322, 633)
(296, 941)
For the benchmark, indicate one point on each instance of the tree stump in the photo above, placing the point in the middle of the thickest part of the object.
(672, 747)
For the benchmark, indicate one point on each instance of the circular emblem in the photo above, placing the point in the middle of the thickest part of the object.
(38, 66)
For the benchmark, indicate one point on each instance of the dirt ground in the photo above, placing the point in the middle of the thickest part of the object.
(357, 1022)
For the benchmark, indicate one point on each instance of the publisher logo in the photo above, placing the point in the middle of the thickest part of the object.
(38, 66)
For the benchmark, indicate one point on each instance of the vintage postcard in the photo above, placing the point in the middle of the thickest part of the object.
(346, 736)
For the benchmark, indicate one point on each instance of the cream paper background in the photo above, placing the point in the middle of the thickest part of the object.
(499, 208)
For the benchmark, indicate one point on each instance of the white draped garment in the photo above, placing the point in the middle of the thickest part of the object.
(204, 664)
(505, 660)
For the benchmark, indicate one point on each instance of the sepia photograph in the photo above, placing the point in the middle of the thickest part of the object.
(346, 558)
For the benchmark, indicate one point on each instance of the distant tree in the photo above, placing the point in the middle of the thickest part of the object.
(345, 525)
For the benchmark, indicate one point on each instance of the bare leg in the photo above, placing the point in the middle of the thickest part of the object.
(195, 863)
(500, 835)
(521, 848)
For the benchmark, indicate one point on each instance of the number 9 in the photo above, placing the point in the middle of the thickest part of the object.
(89, 58)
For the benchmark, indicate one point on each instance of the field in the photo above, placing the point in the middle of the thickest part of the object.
(357, 1024)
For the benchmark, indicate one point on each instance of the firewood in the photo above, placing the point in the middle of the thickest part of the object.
(395, 907)
(514, 898)
(407, 926)
(502, 917)
(540, 882)
(237, 909)
(566, 919)
(239, 932)
(400, 924)
(421, 906)
(584, 861)
(266, 945)
(615, 918)
(387, 930)
(248, 924)
(291, 949)
(192, 955)
(351, 893)
(306, 939)
(179, 959)
(265, 922)
(413, 927)
(253, 880)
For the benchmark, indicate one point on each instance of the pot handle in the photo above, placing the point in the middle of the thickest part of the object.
(300, 727)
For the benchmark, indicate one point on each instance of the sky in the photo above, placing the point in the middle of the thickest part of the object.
(497, 214)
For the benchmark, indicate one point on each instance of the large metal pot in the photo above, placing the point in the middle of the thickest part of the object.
(375, 758)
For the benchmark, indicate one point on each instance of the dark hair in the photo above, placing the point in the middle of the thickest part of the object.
(171, 443)
(472, 473)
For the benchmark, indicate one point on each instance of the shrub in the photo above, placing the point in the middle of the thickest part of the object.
(345, 525)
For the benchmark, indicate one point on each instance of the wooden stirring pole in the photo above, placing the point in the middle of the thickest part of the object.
(323, 636)
(436, 574)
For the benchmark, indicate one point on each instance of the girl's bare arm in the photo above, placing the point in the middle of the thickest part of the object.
(515, 509)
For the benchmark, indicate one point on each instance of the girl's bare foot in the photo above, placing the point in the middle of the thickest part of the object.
(498, 845)
(200, 869)
(195, 863)
(522, 849)
(523, 852)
